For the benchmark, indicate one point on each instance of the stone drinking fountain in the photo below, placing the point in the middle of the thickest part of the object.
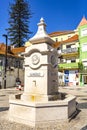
(41, 103)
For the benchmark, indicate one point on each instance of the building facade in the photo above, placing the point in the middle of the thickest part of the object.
(72, 58)
(83, 51)
(12, 66)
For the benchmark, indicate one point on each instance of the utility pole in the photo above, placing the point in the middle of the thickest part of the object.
(5, 70)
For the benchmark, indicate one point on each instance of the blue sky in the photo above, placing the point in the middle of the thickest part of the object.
(58, 14)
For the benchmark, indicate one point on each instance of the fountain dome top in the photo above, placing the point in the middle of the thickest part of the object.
(41, 35)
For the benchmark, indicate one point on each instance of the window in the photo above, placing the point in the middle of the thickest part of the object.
(68, 46)
(84, 32)
(69, 36)
(84, 47)
(63, 61)
(61, 39)
(58, 48)
(73, 60)
(56, 39)
(0, 62)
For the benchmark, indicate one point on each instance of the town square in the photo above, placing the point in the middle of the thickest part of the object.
(43, 74)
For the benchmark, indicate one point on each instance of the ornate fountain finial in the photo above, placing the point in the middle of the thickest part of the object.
(42, 24)
(41, 36)
(42, 19)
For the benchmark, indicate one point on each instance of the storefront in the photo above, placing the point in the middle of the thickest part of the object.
(71, 77)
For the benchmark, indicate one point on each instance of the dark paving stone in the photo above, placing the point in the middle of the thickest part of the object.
(81, 95)
(3, 109)
(84, 128)
(84, 99)
(82, 105)
(2, 95)
(85, 91)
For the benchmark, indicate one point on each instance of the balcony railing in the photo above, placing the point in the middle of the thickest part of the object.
(69, 50)
(68, 66)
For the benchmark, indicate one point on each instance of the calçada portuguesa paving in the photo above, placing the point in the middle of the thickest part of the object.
(79, 122)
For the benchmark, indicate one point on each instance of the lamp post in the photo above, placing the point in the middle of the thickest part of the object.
(6, 38)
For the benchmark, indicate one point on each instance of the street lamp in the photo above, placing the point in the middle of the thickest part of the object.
(6, 38)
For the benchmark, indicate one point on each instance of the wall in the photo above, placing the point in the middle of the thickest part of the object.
(11, 78)
(63, 36)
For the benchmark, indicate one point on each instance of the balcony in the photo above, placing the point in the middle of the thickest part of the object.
(69, 50)
(68, 66)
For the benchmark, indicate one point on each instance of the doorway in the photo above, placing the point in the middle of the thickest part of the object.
(85, 79)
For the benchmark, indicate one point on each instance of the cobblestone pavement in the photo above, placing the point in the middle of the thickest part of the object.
(79, 122)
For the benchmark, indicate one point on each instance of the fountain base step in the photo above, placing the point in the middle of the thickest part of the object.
(38, 113)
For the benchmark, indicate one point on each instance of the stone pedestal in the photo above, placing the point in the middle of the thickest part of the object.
(41, 75)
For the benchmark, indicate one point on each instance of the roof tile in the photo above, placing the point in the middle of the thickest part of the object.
(59, 33)
(18, 50)
(71, 39)
(82, 22)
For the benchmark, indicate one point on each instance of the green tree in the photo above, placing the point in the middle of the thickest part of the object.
(81, 67)
(19, 18)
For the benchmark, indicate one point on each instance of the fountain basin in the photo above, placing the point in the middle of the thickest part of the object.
(38, 113)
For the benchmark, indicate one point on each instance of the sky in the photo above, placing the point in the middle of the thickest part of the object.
(59, 15)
